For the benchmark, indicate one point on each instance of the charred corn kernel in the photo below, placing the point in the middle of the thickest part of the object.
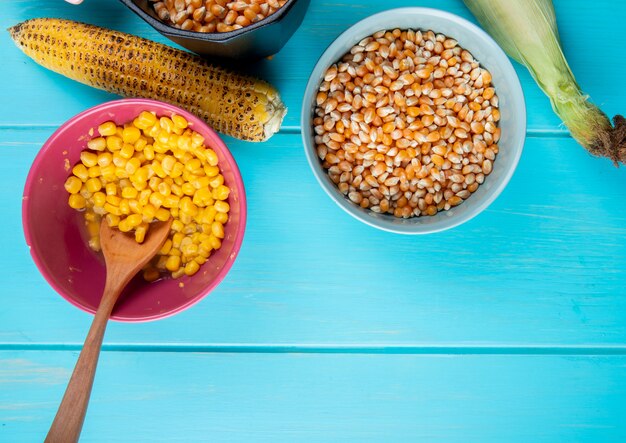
(127, 151)
(80, 171)
(162, 214)
(221, 217)
(124, 207)
(73, 184)
(133, 166)
(77, 201)
(217, 229)
(176, 239)
(167, 246)
(112, 220)
(124, 226)
(99, 199)
(107, 128)
(89, 159)
(173, 263)
(115, 210)
(216, 181)
(97, 144)
(145, 120)
(94, 172)
(140, 232)
(130, 134)
(177, 226)
(221, 192)
(104, 159)
(215, 242)
(114, 143)
(191, 268)
(93, 184)
(135, 207)
(179, 121)
(129, 192)
(150, 274)
(156, 200)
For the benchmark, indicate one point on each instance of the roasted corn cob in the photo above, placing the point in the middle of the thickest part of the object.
(123, 64)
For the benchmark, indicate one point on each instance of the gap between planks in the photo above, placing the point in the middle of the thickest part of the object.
(589, 350)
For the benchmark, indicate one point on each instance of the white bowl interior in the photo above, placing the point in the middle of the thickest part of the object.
(511, 103)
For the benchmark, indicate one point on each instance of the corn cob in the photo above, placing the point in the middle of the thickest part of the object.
(123, 64)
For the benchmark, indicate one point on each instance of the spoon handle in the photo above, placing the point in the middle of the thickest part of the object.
(68, 421)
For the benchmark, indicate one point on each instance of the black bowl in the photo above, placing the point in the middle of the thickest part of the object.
(258, 40)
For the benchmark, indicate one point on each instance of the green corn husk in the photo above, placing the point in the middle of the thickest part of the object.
(527, 31)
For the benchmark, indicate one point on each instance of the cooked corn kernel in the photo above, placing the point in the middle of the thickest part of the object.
(153, 169)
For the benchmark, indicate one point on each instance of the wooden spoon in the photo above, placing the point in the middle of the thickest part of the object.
(124, 257)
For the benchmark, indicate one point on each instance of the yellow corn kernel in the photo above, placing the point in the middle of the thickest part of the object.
(145, 120)
(221, 217)
(158, 169)
(134, 220)
(130, 134)
(215, 242)
(196, 140)
(221, 206)
(208, 216)
(192, 165)
(94, 243)
(140, 144)
(108, 172)
(148, 212)
(89, 159)
(200, 260)
(153, 183)
(164, 189)
(221, 192)
(114, 143)
(93, 184)
(93, 228)
(179, 121)
(148, 152)
(184, 143)
(191, 268)
(170, 201)
(191, 228)
(124, 207)
(73, 184)
(124, 226)
(77, 201)
(177, 226)
(176, 239)
(211, 171)
(184, 217)
(162, 214)
(113, 199)
(97, 144)
(173, 263)
(118, 160)
(129, 192)
(156, 200)
(202, 182)
(115, 210)
(188, 189)
(187, 206)
(99, 199)
(217, 229)
(112, 220)
(135, 207)
(140, 232)
(167, 124)
(175, 251)
(107, 128)
(85, 193)
(151, 274)
(104, 159)
(160, 264)
(205, 248)
(216, 181)
(211, 157)
(177, 170)
(190, 249)
(80, 171)
(144, 196)
(167, 246)
(94, 172)
(127, 150)
(90, 215)
(133, 165)
(176, 190)
(168, 163)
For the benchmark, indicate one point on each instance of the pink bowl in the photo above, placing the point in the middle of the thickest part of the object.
(53, 230)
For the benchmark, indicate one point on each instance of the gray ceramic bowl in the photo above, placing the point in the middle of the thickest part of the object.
(511, 102)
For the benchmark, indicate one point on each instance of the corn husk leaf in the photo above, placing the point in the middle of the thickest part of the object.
(527, 31)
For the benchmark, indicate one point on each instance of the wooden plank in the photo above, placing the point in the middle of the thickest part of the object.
(31, 86)
(545, 264)
(153, 397)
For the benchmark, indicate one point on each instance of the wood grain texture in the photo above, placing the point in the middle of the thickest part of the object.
(543, 265)
(154, 397)
(595, 60)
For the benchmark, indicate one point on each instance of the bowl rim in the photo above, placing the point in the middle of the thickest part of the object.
(112, 106)
(218, 37)
(366, 216)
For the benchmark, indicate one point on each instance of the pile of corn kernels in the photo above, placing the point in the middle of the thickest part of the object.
(407, 123)
(147, 170)
(214, 15)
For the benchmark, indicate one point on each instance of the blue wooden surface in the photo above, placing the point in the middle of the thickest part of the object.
(511, 327)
